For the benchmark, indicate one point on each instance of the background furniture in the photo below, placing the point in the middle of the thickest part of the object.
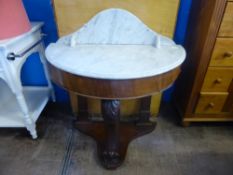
(159, 15)
(204, 91)
(21, 106)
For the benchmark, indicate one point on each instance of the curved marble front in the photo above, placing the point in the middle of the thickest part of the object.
(115, 61)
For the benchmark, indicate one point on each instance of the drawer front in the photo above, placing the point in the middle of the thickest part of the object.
(226, 29)
(223, 52)
(217, 79)
(210, 103)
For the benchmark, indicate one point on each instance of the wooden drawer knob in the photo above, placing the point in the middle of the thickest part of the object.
(211, 105)
(228, 54)
(218, 81)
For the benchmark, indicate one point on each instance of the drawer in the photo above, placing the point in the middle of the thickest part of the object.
(217, 79)
(223, 52)
(226, 29)
(211, 102)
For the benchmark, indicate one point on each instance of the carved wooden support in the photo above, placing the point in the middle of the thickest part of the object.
(113, 136)
(110, 156)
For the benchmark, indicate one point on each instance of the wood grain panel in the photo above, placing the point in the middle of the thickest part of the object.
(223, 52)
(211, 102)
(217, 79)
(226, 29)
(159, 15)
(113, 89)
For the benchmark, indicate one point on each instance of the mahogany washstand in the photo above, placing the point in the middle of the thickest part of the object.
(130, 66)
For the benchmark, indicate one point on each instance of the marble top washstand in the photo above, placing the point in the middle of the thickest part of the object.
(115, 45)
(114, 56)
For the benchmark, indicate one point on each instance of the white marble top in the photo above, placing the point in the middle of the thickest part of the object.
(115, 61)
(115, 44)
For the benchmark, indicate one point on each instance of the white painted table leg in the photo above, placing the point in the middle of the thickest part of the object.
(30, 125)
(43, 61)
(17, 89)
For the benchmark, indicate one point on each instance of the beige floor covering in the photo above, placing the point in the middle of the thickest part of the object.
(202, 149)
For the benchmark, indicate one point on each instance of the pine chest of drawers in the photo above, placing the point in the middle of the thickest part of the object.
(204, 91)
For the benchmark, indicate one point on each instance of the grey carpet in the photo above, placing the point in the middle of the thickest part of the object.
(201, 149)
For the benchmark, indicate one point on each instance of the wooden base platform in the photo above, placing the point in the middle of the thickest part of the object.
(112, 151)
(111, 135)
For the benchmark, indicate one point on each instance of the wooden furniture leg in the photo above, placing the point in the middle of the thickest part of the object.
(144, 113)
(82, 109)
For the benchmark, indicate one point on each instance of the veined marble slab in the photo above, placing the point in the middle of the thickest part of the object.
(115, 26)
(115, 44)
(115, 61)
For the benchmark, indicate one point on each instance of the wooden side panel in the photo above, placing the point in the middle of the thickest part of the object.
(159, 15)
(227, 23)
